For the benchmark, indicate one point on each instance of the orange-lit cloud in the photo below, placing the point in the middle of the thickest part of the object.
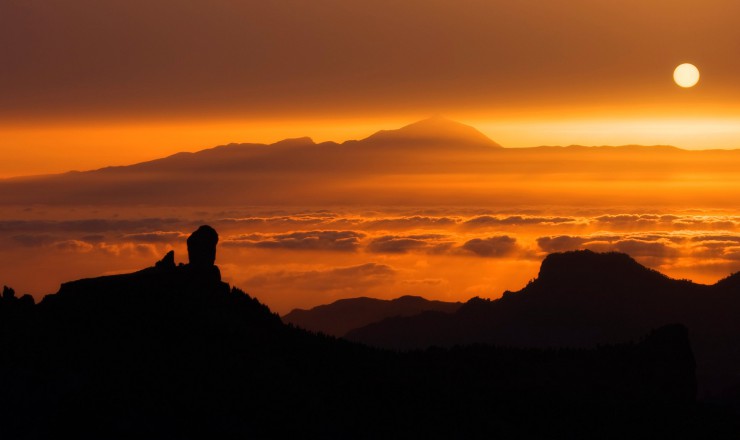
(303, 240)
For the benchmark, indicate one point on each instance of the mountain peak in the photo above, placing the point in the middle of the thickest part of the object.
(435, 130)
(295, 142)
(585, 267)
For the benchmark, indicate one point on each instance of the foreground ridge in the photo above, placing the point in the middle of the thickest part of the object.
(172, 351)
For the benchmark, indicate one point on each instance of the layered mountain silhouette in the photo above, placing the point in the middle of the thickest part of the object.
(435, 161)
(341, 316)
(173, 352)
(582, 299)
(432, 132)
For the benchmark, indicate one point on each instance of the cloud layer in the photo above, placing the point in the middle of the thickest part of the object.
(307, 258)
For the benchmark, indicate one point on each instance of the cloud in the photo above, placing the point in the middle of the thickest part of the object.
(719, 238)
(346, 241)
(156, 237)
(636, 245)
(636, 248)
(76, 246)
(375, 221)
(516, 220)
(88, 225)
(632, 219)
(132, 244)
(335, 221)
(666, 221)
(560, 243)
(282, 221)
(491, 247)
(660, 245)
(731, 253)
(411, 222)
(130, 249)
(401, 244)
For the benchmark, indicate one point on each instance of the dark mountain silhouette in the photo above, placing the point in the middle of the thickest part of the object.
(581, 299)
(284, 172)
(430, 132)
(173, 352)
(341, 316)
(420, 164)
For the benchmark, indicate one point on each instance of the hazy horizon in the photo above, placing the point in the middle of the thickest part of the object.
(88, 162)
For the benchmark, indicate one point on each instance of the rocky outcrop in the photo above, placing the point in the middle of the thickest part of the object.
(165, 281)
(202, 247)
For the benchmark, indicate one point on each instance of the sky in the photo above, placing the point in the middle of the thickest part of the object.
(88, 83)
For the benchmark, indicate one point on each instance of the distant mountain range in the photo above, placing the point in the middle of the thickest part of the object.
(435, 161)
(341, 316)
(171, 351)
(582, 299)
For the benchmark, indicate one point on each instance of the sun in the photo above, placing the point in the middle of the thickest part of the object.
(686, 75)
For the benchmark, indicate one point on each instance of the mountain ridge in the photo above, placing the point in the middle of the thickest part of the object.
(582, 299)
(436, 129)
(384, 169)
(171, 350)
(343, 315)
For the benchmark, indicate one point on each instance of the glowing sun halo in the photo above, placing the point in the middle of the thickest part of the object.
(686, 75)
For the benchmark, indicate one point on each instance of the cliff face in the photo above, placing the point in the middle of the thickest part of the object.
(171, 351)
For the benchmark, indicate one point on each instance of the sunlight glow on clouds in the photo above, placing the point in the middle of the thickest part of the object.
(305, 258)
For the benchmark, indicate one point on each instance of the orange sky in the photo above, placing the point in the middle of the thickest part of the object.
(89, 83)
(55, 147)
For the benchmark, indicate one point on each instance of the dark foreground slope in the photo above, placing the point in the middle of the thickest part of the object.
(341, 316)
(172, 352)
(581, 299)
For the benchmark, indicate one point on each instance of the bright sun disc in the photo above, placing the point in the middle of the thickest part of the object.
(686, 75)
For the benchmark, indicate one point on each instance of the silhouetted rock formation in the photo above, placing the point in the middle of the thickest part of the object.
(171, 352)
(202, 247)
(167, 262)
(341, 316)
(165, 280)
(9, 299)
